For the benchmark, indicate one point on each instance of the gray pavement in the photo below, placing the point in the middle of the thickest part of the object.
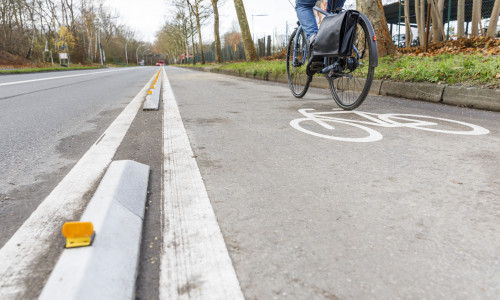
(413, 215)
(46, 126)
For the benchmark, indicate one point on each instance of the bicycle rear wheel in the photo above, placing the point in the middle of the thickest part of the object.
(350, 87)
(296, 67)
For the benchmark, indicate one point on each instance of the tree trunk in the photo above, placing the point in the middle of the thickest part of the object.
(218, 46)
(475, 19)
(479, 24)
(198, 26)
(375, 12)
(417, 18)
(192, 37)
(422, 21)
(492, 27)
(408, 36)
(437, 22)
(250, 53)
(461, 18)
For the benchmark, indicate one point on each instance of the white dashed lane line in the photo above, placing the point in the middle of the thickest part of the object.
(59, 77)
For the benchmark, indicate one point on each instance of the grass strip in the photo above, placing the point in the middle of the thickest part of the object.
(50, 69)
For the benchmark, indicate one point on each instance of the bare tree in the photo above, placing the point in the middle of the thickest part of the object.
(437, 22)
(476, 13)
(492, 27)
(460, 18)
(201, 11)
(250, 53)
(420, 23)
(218, 46)
(408, 35)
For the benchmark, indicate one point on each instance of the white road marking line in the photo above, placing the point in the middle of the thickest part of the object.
(31, 242)
(66, 76)
(195, 263)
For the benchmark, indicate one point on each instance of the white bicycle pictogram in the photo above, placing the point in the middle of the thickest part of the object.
(328, 121)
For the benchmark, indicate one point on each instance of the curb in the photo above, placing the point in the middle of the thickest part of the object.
(485, 99)
(108, 268)
(416, 91)
(152, 101)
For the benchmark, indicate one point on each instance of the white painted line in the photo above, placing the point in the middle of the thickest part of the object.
(106, 270)
(32, 241)
(195, 263)
(66, 76)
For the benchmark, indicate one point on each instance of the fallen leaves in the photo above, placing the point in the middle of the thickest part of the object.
(483, 45)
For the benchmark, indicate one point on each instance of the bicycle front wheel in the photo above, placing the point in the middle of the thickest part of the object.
(350, 87)
(296, 64)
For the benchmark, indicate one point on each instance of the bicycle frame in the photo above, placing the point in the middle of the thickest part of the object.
(373, 55)
(299, 31)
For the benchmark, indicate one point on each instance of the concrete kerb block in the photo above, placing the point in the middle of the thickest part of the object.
(108, 268)
(413, 90)
(249, 75)
(281, 78)
(229, 72)
(488, 99)
(152, 101)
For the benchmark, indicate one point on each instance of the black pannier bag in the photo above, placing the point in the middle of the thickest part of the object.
(343, 25)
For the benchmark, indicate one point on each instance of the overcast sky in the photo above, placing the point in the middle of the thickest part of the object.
(146, 17)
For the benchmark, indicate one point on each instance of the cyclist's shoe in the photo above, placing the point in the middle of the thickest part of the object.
(311, 43)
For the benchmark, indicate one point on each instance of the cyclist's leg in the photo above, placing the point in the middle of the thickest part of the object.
(305, 14)
(338, 4)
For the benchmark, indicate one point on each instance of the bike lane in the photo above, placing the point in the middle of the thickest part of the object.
(409, 215)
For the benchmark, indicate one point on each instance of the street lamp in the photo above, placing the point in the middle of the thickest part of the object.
(143, 54)
(126, 54)
(137, 54)
(253, 31)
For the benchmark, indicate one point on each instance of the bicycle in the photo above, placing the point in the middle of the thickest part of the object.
(350, 75)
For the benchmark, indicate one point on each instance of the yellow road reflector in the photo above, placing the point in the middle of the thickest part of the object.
(153, 86)
(78, 234)
(150, 92)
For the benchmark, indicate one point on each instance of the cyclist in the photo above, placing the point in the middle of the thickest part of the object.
(305, 14)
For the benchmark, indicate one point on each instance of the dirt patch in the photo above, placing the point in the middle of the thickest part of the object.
(10, 61)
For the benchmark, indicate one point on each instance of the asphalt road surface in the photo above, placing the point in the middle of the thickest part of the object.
(398, 200)
(47, 122)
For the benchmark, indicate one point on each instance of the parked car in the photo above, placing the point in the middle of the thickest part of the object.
(402, 38)
(160, 63)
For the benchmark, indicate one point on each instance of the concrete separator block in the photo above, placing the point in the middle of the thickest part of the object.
(413, 90)
(152, 101)
(488, 99)
(108, 268)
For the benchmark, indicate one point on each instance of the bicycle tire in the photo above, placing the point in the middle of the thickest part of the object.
(298, 80)
(350, 92)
